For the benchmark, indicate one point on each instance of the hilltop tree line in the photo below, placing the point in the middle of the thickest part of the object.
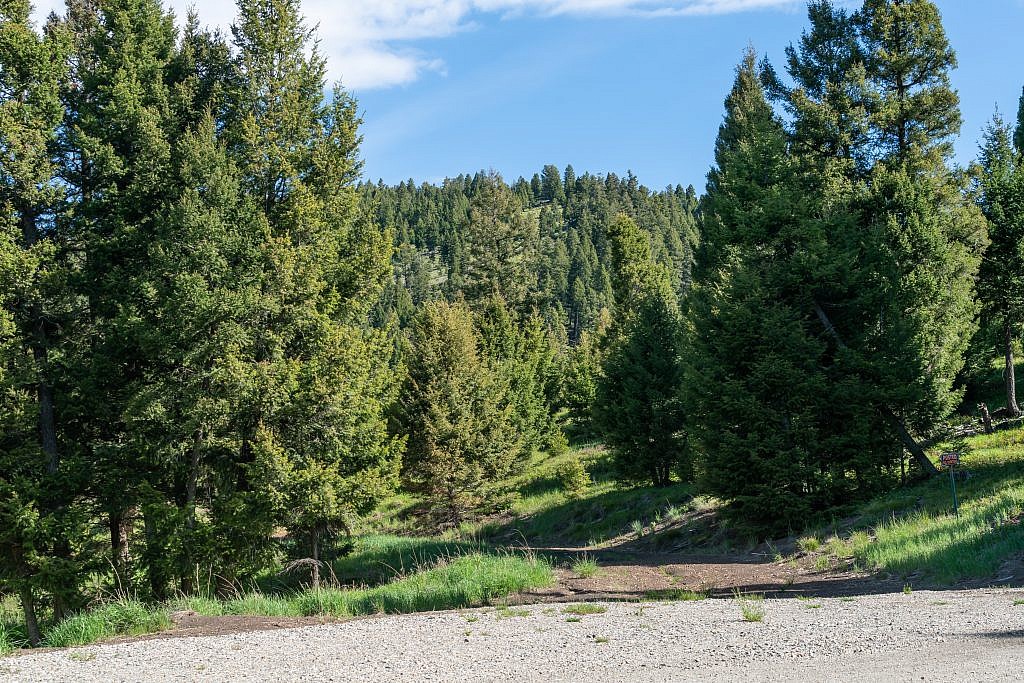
(219, 346)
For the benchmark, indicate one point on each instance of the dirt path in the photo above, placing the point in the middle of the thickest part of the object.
(952, 635)
(633, 575)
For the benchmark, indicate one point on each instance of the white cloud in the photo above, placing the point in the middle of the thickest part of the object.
(368, 42)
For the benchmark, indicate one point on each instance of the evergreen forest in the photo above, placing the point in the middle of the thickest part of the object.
(223, 349)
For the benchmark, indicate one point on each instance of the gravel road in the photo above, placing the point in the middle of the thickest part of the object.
(969, 635)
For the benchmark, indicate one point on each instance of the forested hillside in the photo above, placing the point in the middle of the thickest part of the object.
(562, 242)
(222, 349)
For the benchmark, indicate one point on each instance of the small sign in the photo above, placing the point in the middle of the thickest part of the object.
(950, 459)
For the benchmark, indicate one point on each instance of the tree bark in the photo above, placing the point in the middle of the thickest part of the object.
(316, 560)
(1010, 374)
(119, 524)
(191, 484)
(904, 434)
(986, 418)
(28, 606)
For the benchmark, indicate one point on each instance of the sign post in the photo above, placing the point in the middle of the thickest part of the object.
(950, 461)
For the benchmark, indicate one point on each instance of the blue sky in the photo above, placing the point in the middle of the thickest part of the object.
(619, 93)
(451, 86)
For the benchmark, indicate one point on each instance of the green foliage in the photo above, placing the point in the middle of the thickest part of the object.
(1001, 183)
(751, 607)
(123, 618)
(834, 298)
(457, 413)
(585, 567)
(572, 477)
(501, 243)
(637, 407)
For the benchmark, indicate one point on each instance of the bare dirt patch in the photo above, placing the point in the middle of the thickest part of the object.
(635, 576)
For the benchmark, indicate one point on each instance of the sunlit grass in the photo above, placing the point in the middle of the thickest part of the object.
(930, 539)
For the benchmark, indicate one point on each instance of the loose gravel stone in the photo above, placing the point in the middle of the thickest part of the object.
(965, 635)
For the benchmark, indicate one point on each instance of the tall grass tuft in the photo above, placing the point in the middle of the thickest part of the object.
(585, 566)
(121, 618)
(751, 607)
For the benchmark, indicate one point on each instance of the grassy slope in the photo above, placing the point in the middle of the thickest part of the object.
(541, 514)
(913, 533)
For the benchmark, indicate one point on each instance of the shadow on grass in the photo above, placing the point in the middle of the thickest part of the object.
(379, 559)
(592, 520)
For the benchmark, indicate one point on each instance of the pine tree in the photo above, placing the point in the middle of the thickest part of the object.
(501, 243)
(757, 387)
(637, 406)
(1000, 284)
(314, 379)
(38, 518)
(116, 141)
(520, 356)
(457, 414)
(919, 239)
(873, 119)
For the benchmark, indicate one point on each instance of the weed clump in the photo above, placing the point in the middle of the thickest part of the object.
(585, 567)
(751, 607)
(584, 609)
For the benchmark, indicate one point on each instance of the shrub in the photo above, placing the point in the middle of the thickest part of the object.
(558, 444)
(572, 477)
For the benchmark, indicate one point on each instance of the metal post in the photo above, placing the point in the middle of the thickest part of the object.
(952, 481)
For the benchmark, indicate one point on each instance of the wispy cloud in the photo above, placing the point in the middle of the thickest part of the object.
(371, 43)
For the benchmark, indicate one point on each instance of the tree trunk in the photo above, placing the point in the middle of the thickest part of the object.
(910, 444)
(28, 606)
(1011, 375)
(119, 524)
(40, 354)
(316, 560)
(901, 427)
(986, 418)
(191, 484)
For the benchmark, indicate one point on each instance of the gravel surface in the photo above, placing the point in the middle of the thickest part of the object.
(968, 635)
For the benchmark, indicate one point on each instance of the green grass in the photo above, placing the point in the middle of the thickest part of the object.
(379, 558)
(12, 631)
(126, 617)
(541, 513)
(809, 544)
(751, 607)
(1017, 603)
(447, 581)
(584, 609)
(471, 580)
(585, 567)
(935, 543)
(674, 594)
(509, 613)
